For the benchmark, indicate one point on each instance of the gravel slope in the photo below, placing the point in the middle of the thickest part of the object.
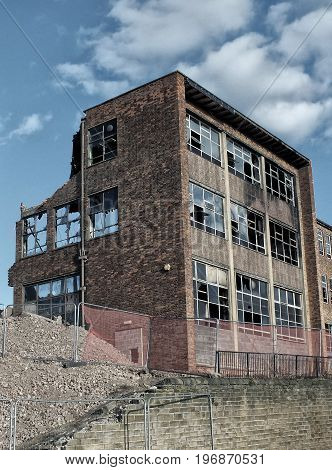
(33, 368)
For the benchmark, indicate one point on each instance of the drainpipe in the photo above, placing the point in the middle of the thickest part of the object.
(83, 257)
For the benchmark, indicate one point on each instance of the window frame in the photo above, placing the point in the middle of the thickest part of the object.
(328, 246)
(245, 152)
(35, 233)
(325, 289)
(243, 296)
(246, 243)
(275, 168)
(209, 129)
(68, 223)
(290, 329)
(212, 207)
(274, 242)
(199, 291)
(48, 306)
(104, 141)
(321, 244)
(92, 229)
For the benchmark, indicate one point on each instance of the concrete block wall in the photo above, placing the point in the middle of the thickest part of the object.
(247, 414)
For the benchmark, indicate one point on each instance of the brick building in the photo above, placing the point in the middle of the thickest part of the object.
(172, 187)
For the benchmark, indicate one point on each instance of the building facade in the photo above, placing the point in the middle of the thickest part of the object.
(179, 206)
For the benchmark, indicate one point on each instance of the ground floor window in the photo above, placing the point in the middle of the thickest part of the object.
(210, 286)
(53, 298)
(252, 300)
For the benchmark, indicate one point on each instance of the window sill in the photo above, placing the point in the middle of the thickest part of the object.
(93, 165)
(209, 233)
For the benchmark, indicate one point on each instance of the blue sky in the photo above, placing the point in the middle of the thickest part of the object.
(235, 48)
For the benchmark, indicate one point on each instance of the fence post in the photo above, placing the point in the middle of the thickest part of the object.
(247, 364)
(13, 416)
(296, 365)
(76, 326)
(317, 366)
(211, 422)
(274, 365)
(4, 332)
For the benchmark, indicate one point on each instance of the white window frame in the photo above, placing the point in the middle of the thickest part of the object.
(243, 158)
(321, 246)
(240, 220)
(209, 208)
(204, 291)
(202, 138)
(293, 243)
(325, 290)
(31, 230)
(274, 173)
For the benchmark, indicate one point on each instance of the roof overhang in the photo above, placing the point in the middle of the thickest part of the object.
(202, 98)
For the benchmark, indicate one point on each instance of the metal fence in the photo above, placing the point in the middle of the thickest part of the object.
(97, 423)
(262, 365)
(102, 334)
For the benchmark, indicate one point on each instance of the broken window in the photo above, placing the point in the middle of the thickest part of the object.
(288, 308)
(243, 162)
(210, 285)
(284, 244)
(103, 213)
(68, 228)
(279, 182)
(324, 289)
(103, 142)
(206, 210)
(252, 300)
(320, 242)
(54, 298)
(247, 228)
(328, 246)
(34, 234)
(203, 140)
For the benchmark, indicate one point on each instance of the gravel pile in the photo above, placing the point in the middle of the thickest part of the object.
(34, 368)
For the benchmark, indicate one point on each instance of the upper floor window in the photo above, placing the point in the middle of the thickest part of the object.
(54, 298)
(284, 244)
(103, 213)
(325, 289)
(210, 286)
(328, 246)
(279, 182)
(34, 234)
(320, 242)
(252, 300)
(67, 224)
(103, 142)
(247, 228)
(243, 163)
(206, 210)
(203, 139)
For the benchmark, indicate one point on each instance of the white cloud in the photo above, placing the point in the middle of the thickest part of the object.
(277, 15)
(241, 70)
(215, 44)
(152, 35)
(82, 75)
(30, 125)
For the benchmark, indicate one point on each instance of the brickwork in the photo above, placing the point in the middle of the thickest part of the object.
(247, 414)
(325, 268)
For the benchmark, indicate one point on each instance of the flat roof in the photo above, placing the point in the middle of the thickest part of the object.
(324, 224)
(206, 100)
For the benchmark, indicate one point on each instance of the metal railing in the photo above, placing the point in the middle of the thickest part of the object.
(266, 365)
(103, 408)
